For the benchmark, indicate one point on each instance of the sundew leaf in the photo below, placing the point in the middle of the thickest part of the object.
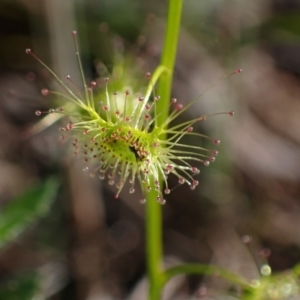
(25, 209)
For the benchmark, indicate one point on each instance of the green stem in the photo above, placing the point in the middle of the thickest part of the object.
(168, 59)
(208, 270)
(153, 209)
(154, 245)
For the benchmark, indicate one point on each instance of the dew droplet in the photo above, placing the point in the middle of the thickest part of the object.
(266, 252)
(255, 283)
(195, 182)
(246, 239)
(195, 170)
(167, 191)
(215, 152)
(38, 113)
(178, 107)
(206, 163)
(217, 142)
(44, 92)
(181, 180)
(265, 270)
(143, 201)
(131, 190)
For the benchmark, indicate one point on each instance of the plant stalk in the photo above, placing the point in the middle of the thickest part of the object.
(153, 208)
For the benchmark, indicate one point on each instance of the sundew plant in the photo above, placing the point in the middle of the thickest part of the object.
(128, 144)
(139, 142)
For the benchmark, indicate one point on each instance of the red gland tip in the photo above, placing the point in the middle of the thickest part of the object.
(246, 239)
(44, 92)
(74, 32)
(238, 71)
(265, 252)
(93, 84)
(178, 107)
(231, 113)
(148, 75)
(214, 152)
(211, 158)
(206, 163)
(28, 51)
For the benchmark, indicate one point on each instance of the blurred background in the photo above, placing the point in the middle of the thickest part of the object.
(62, 234)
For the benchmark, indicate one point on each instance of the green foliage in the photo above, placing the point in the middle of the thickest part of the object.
(282, 28)
(20, 288)
(25, 209)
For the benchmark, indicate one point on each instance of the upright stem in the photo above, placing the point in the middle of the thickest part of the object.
(154, 245)
(168, 58)
(153, 209)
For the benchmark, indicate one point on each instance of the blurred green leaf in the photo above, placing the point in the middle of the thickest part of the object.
(21, 288)
(282, 28)
(25, 209)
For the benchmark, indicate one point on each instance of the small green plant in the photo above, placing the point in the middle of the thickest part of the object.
(129, 143)
(137, 140)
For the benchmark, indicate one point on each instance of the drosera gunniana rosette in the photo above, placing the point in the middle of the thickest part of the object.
(125, 144)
